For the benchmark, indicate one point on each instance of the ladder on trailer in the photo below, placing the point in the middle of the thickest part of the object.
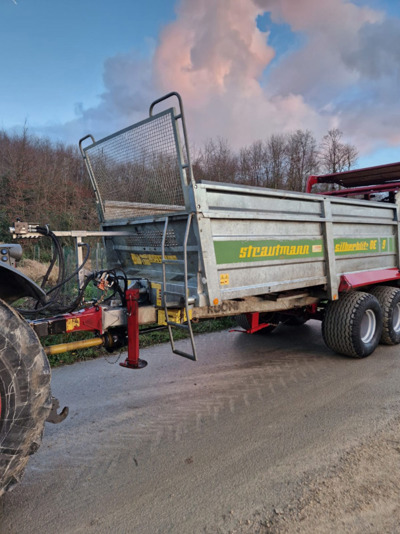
(187, 302)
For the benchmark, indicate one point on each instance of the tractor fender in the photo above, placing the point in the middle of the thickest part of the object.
(14, 285)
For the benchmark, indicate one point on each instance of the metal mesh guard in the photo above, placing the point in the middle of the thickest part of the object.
(138, 165)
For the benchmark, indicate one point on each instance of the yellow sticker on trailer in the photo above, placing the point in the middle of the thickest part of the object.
(174, 315)
(72, 324)
(157, 287)
(224, 279)
(148, 259)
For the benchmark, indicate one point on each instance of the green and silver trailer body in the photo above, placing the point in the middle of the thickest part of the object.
(225, 242)
(246, 241)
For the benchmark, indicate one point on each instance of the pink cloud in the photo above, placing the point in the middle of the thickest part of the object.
(211, 46)
(215, 55)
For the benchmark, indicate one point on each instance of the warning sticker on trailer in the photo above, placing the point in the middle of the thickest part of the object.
(71, 324)
(157, 287)
(224, 279)
(148, 259)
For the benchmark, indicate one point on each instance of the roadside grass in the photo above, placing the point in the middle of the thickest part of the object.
(145, 340)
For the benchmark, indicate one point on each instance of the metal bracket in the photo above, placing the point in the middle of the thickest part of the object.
(55, 417)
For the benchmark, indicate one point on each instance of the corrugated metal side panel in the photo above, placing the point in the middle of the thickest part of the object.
(260, 241)
(252, 241)
(364, 236)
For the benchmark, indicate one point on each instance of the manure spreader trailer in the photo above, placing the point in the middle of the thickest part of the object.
(180, 251)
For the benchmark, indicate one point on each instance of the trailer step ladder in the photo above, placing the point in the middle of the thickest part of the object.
(187, 303)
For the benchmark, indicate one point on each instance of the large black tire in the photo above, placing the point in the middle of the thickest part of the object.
(24, 394)
(352, 325)
(389, 299)
(241, 320)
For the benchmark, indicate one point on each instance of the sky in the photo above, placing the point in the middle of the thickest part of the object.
(246, 69)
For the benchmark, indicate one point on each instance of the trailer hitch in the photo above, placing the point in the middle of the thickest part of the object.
(55, 417)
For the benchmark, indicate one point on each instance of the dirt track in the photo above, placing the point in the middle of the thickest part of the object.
(359, 494)
(263, 434)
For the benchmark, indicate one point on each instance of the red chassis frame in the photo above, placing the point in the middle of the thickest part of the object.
(91, 320)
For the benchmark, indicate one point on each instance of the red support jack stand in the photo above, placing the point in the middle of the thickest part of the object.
(132, 305)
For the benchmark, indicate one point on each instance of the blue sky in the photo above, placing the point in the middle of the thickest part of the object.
(53, 52)
(245, 68)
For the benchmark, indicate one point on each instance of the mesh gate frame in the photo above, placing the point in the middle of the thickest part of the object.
(184, 166)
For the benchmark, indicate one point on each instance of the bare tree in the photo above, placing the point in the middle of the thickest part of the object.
(252, 163)
(301, 153)
(276, 161)
(334, 155)
(217, 161)
(195, 157)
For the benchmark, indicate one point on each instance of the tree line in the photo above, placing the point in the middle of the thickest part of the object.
(43, 183)
(47, 183)
(280, 162)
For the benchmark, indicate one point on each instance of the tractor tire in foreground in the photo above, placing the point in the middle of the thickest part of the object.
(25, 398)
(389, 299)
(353, 324)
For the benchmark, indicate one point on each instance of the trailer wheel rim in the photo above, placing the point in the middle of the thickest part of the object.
(368, 326)
(396, 319)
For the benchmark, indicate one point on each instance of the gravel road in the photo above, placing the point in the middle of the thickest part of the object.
(264, 434)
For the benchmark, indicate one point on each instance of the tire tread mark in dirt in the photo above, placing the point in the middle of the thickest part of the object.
(152, 426)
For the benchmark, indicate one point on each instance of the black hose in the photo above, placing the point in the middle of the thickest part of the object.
(53, 304)
(57, 254)
(65, 280)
